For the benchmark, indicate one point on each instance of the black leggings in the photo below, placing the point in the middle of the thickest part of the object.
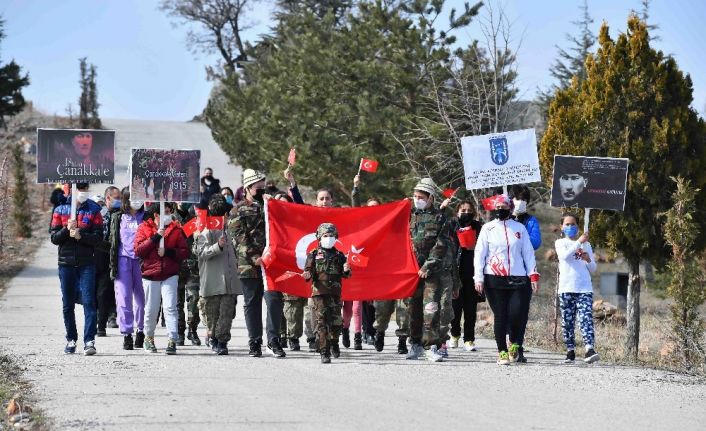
(465, 304)
(507, 311)
(519, 337)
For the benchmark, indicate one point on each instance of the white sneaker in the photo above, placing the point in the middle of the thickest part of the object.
(89, 349)
(433, 355)
(415, 351)
(453, 342)
(469, 346)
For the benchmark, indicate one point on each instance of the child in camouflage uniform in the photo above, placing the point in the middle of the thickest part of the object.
(326, 267)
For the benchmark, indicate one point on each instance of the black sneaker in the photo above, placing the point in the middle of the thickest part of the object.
(335, 350)
(294, 344)
(112, 323)
(402, 346)
(194, 338)
(222, 349)
(214, 344)
(275, 349)
(283, 342)
(521, 356)
(346, 338)
(171, 347)
(180, 340)
(255, 349)
(358, 341)
(127, 342)
(139, 340)
(570, 357)
(379, 341)
(325, 357)
(591, 356)
(101, 333)
(312, 344)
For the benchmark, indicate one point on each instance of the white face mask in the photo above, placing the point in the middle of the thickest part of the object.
(420, 204)
(82, 197)
(520, 206)
(136, 205)
(328, 242)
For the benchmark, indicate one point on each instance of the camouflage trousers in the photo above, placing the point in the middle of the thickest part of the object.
(220, 311)
(429, 309)
(294, 316)
(309, 321)
(188, 292)
(383, 314)
(326, 310)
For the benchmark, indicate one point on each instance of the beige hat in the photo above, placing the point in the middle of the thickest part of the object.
(251, 176)
(426, 185)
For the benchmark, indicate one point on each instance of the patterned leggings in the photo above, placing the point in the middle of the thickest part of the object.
(570, 303)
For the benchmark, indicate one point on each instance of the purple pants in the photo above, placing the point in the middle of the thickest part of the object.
(129, 295)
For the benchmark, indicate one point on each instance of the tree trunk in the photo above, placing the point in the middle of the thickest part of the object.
(633, 311)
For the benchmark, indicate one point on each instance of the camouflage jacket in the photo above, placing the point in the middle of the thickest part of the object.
(429, 229)
(326, 268)
(247, 228)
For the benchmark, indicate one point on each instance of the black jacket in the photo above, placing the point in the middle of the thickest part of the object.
(80, 252)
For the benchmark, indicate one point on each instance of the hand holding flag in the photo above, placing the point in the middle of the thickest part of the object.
(368, 165)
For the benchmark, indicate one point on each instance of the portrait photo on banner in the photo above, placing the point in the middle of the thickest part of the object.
(589, 182)
(165, 175)
(75, 155)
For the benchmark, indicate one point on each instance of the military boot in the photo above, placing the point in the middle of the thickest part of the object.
(325, 356)
(294, 344)
(379, 341)
(222, 349)
(335, 350)
(402, 346)
(312, 344)
(358, 341)
(194, 338)
(346, 338)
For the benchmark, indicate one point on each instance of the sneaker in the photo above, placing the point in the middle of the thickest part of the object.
(433, 355)
(112, 323)
(591, 356)
(214, 344)
(345, 338)
(222, 349)
(89, 349)
(127, 342)
(312, 344)
(443, 351)
(453, 342)
(570, 357)
(208, 339)
(503, 358)
(514, 352)
(414, 352)
(369, 339)
(335, 350)
(469, 346)
(139, 340)
(194, 338)
(70, 347)
(402, 346)
(379, 341)
(283, 342)
(325, 357)
(171, 347)
(521, 356)
(101, 333)
(180, 340)
(149, 345)
(255, 349)
(358, 341)
(275, 349)
(294, 344)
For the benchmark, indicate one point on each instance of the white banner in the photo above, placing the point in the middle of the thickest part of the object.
(500, 159)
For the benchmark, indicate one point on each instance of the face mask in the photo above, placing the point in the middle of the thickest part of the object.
(420, 204)
(465, 218)
(328, 242)
(136, 205)
(229, 200)
(115, 205)
(520, 206)
(570, 231)
(501, 214)
(259, 195)
(82, 197)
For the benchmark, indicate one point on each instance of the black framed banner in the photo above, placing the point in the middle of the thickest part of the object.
(589, 182)
(75, 156)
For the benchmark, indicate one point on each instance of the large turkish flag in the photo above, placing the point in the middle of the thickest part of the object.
(375, 239)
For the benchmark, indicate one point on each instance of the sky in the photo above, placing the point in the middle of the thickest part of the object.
(146, 71)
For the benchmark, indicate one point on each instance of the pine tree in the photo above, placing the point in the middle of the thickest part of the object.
(20, 196)
(634, 103)
(94, 118)
(11, 83)
(84, 103)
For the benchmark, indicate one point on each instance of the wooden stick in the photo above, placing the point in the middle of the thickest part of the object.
(161, 222)
(74, 201)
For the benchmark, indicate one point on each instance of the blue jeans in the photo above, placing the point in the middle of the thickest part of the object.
(79, 282)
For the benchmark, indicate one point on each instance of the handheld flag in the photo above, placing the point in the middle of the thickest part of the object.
(292, 159)
(448, 193)
(368, 165)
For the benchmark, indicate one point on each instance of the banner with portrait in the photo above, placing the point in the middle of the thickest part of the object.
(159, 175)
(500, 159)
(589, 182)
(75, 156)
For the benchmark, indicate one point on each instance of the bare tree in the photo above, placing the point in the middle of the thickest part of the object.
(220, 25)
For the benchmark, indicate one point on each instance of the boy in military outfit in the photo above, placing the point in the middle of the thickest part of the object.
(326, 267)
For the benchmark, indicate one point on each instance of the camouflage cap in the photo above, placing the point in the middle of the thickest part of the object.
(426, 185)
(325, 228)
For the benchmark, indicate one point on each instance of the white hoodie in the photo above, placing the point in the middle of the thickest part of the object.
(574, 273)
(503, 248)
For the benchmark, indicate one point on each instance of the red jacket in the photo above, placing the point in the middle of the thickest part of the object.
(147, 243)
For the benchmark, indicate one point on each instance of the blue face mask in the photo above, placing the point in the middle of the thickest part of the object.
(229, 199)
(115, 205)
(570, 231)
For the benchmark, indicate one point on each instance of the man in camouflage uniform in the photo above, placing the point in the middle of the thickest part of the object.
(247, 229)
(429, 230)
(326, 267)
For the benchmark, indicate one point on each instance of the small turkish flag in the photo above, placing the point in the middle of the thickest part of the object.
(368, 165)
(488, 203)
(204, 221)
(466, 237)
(292, 159)
(448, 193)
(356, 259)
(189, 227)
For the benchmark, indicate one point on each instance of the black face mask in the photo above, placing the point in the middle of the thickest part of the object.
(501, 214)
(465, 218)
(259, 195)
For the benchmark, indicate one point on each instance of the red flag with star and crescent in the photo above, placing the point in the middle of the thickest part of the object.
(375, 240)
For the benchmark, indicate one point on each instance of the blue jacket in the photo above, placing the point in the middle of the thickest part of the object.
(532, 225)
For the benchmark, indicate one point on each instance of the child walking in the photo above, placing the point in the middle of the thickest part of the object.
(326, 267)
(576, 263)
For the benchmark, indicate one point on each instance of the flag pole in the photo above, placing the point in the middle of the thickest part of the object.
(74, 201)
(360, 166)
(161, 222)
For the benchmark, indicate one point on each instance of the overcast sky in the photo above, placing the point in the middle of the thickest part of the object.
(145, 70)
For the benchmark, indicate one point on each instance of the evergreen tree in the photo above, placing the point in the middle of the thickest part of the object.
(20, 196)
(93, 99)
(634, 103)
(11, 83)
(88, 100)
